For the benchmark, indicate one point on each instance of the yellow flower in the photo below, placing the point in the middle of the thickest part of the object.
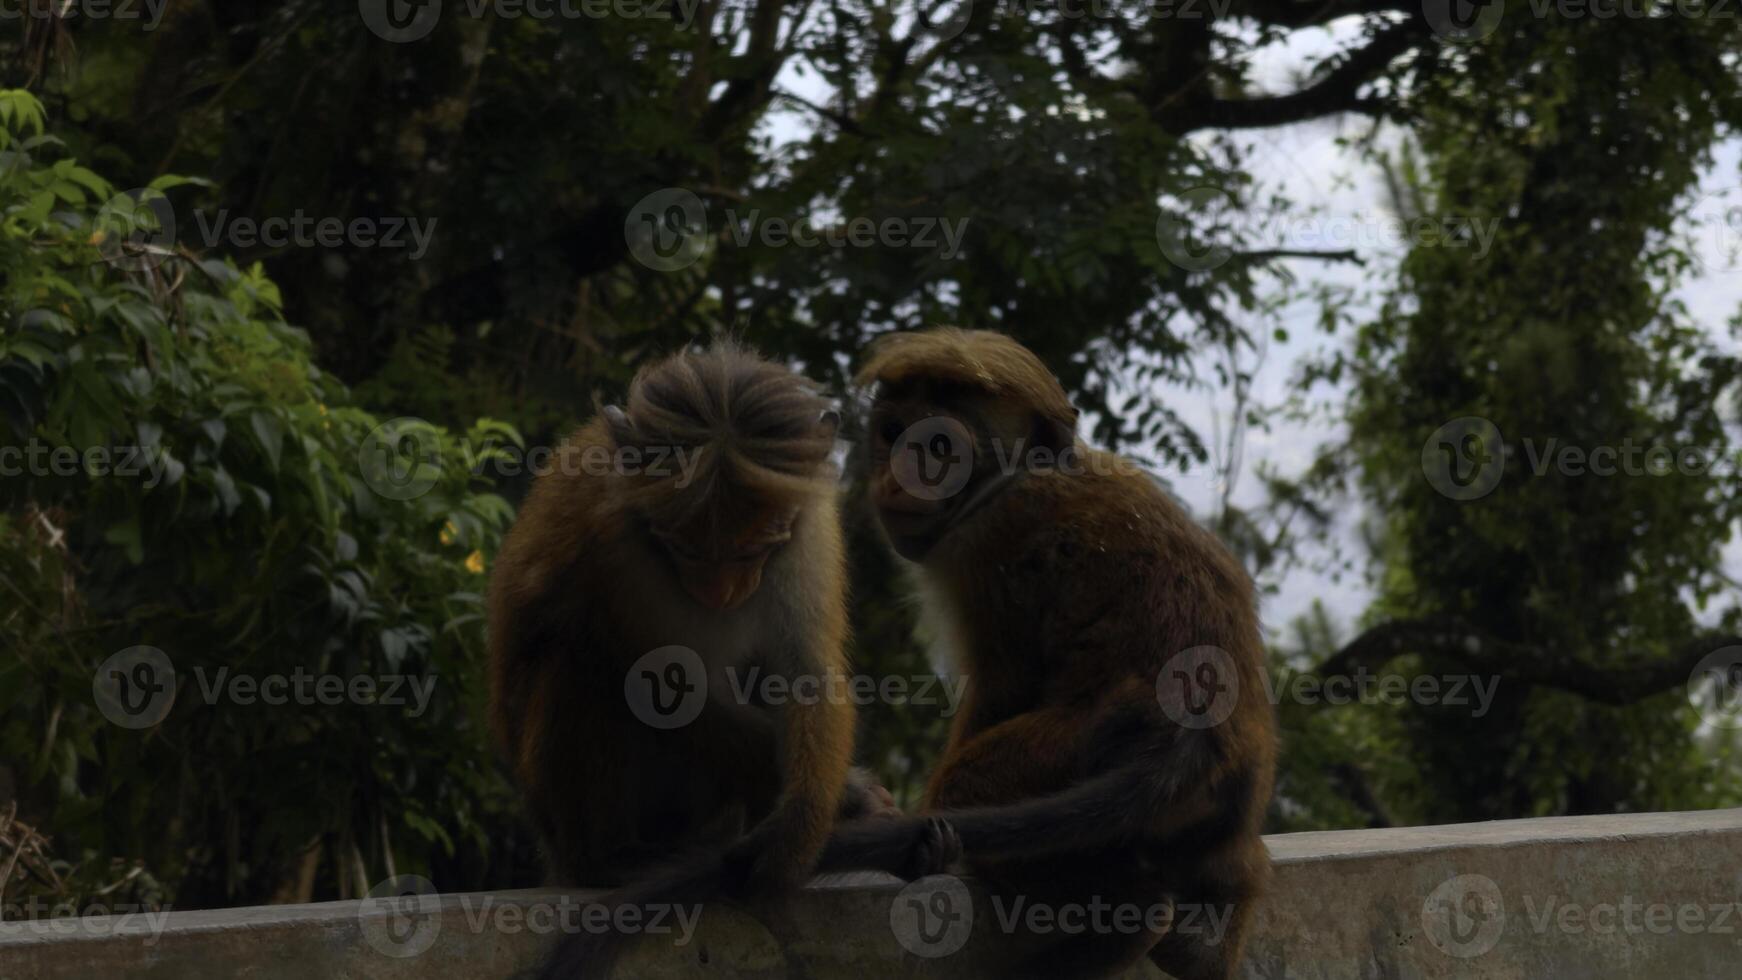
(475, 563)
(448, 532)
(320, 408)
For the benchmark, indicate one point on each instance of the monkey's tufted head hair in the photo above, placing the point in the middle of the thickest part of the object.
(759, 429)
(980, 360)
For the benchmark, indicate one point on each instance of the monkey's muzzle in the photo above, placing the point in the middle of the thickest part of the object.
(722, 586)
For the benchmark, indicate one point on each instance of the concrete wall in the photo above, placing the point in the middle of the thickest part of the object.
(1581, 898)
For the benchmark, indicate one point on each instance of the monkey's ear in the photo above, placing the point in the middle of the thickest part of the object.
(829, 421)
(618, 424)
(1057, 435)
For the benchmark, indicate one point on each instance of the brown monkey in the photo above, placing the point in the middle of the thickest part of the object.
(1115, 744)
(702, 517)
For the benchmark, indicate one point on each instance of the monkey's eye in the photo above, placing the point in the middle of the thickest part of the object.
(677, 545)
(758, 551)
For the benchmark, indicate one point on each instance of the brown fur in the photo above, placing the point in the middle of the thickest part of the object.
(979, 360)
(582, 589)
(1068, 592)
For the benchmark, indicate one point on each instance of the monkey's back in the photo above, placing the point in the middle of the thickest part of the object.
(1088, 585)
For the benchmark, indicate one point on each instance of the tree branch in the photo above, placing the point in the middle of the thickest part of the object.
(1265, 255)
(1522, 662)
(1311, 13)
(1333, 93)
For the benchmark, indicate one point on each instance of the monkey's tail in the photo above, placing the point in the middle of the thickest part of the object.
(1165, 786)
(692, 880)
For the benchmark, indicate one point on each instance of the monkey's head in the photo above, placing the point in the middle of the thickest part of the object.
(719, 454)
(956, 415)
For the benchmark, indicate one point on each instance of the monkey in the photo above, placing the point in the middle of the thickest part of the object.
(1114, 742)
(699, 516)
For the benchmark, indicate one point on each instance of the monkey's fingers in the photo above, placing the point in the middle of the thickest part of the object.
(935, 850)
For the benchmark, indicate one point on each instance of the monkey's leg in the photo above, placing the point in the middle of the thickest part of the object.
(1030, 755)
(1194, 957)
(1089, 957)
(1187, 958)
(1100, 922)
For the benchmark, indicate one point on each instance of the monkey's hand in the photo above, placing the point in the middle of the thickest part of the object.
(909, 847)
(865, 798)
(882, 804)
(935, 849)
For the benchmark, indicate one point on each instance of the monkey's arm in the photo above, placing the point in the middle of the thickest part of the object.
(816, 747)
(1165, 783)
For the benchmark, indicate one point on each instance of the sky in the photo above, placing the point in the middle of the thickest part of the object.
(1304, 163)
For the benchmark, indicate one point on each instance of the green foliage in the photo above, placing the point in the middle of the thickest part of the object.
(1059, 140)
(1565, 334)
(249, 541)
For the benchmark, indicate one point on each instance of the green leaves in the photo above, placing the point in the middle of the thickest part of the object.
(20, 112)
(195, 485)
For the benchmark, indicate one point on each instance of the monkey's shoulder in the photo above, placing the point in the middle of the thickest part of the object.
(1112, 506)
(1113, 537)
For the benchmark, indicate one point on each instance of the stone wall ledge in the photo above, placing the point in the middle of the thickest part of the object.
(1582, 898)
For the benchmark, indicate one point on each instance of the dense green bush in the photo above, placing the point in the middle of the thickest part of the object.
(250, 540)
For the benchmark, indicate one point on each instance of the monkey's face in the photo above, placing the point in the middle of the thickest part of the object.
(720, 562)
(938, 452)
(932, 462)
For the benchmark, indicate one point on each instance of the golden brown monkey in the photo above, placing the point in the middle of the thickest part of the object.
(1115, 743)
(699, 517)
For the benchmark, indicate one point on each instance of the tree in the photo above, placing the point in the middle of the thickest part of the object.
(1490, 391)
